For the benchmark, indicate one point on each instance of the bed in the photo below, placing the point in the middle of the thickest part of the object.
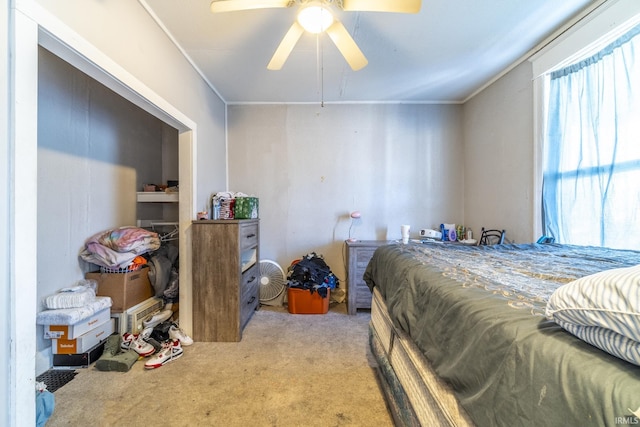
(463, 336)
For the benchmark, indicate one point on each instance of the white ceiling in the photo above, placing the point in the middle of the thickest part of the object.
(445, 53)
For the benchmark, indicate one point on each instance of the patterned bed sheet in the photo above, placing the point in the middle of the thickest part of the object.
(477, 313)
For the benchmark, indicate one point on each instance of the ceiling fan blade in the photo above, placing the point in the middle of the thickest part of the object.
(233, 5)
(399, 6)
(347, 46)
(286, 46)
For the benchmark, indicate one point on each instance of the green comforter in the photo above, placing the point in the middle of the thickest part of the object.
(477, 313)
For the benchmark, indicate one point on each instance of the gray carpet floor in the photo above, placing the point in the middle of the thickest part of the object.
(288, 370)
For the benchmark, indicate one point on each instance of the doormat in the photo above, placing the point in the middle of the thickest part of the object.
(56, 378)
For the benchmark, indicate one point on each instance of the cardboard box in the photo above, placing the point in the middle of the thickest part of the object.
(70, 332)
(125, 289)
(82, 360)
(302, 301)
(84, 342)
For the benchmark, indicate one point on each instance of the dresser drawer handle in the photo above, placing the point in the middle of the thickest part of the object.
(249, 236)
(252, 299)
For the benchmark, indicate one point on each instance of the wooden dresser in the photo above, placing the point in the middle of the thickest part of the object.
(359, 254)
(226, 276)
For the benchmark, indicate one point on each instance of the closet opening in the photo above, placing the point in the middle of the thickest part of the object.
(102, 165)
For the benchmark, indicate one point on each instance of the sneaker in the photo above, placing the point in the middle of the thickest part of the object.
(157, 318)
(175, 333)
(136, 343)
(127, 339)
(170, 351)
(146, 333)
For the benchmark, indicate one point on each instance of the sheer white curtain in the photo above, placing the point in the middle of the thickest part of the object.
(591, 180)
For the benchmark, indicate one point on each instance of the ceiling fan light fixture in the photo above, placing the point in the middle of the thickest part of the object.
(315, 18)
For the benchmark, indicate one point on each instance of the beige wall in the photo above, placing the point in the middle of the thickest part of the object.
(125, 32)
(310, 166)
(498, 156)
(416, 164)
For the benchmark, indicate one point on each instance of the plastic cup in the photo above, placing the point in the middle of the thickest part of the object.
(404, 231)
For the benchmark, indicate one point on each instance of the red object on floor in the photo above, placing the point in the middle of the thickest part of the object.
(302, 301)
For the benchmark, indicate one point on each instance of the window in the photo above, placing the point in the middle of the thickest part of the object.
(591, 160)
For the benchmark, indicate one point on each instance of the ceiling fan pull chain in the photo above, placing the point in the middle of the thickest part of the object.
(322, 72)
(318, 85)
(320, 66)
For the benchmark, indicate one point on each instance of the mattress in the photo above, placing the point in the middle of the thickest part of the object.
(415, 393)
(476, 314)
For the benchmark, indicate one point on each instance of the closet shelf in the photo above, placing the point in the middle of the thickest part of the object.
(151, 223)
(157, 197)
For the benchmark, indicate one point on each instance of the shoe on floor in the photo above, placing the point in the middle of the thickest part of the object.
(157, 318)
(146, 333)
(170, 351)
(126, 341)
(175, 333)
(136, 343)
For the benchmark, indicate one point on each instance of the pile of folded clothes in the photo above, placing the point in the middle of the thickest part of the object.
(117, 248)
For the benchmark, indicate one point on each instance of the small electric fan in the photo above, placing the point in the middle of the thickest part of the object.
(272, 283)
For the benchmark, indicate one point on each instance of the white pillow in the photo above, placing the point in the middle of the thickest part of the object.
(609, 300)
(607, 340)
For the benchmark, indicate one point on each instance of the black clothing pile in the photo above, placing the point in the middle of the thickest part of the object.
(312, 272)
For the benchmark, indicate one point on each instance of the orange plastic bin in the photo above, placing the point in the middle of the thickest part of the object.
(302, 301)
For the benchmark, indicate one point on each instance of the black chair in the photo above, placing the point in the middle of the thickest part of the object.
(491, 237)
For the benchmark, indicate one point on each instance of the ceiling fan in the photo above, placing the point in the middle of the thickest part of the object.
(315, 16)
